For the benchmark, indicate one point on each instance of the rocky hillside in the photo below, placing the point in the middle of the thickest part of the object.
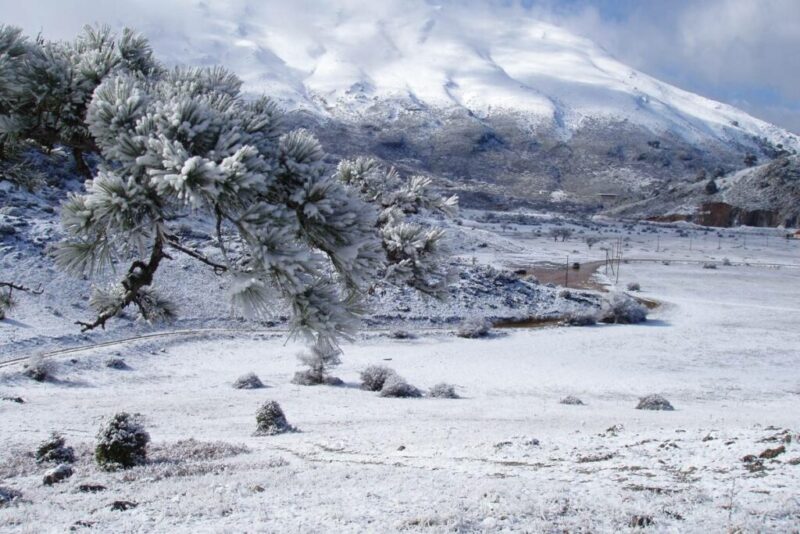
(502, 108)
(764, 195)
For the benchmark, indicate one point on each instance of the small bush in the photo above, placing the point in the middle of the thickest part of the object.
(401, 334)
(395, 386)
(709, 265)
(248, 381)
(320, 359)
(571, 401)
(121, 443)
(475, 327)
(117, 363)
(654, 402)
(726, 262)
(622, 309)
(57, 474)
(53, 449)
(270, 420)
(312, 377)
(374, 376)
(7, 302)
(443, 391)
(634, 286)
(39, 369)
(581, 319)
(8, 495)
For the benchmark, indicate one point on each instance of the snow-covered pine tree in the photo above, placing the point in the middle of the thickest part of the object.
(185, 142)
(46, 86)
(415, 254)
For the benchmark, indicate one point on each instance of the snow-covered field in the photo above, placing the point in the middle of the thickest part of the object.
(507, 456)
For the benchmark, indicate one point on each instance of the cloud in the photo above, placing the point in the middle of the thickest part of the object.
(744, 52)
(718, 48)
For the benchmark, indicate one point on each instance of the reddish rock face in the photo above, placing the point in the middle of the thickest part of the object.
(725, 215)
(715, 214)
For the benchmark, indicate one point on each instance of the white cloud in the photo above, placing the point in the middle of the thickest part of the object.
(719, 48)
(731, 50)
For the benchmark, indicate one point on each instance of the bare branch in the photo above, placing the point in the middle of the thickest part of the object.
(140, 275)
(11, 286)
(218, 268)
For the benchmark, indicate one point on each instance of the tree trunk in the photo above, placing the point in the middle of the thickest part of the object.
(80, 164)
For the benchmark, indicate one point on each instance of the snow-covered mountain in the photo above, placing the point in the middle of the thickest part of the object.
(496, 104)
(444, 56)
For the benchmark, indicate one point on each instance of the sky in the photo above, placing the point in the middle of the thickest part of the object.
(742, 52)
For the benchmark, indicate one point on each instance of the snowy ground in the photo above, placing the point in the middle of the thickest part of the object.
(723, 348)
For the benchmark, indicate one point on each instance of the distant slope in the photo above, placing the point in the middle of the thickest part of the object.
(501, 108)
(765, 195)
(345, 59)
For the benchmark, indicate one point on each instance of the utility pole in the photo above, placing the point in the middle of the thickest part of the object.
(566, 273)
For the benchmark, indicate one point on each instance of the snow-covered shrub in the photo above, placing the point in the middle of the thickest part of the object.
(374, 376)
(709, 265)
(54, 449)
(634, 286)
(563, 233)
(248, 381)
(726, 262)
(396, 386)
(7, 303)
(8, 495)
(582, 319)
(592, 240)
(571, 400)
(57, 474)
(319, 359)
(443, 391)
(654, 402)
(39, 369)
(270, 420)
(121, 443)
(401, 334)
(117, 363)
(474, 327)
(622, 309)
(310, 377)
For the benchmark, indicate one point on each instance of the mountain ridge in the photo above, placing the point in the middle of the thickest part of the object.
(439, 56)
